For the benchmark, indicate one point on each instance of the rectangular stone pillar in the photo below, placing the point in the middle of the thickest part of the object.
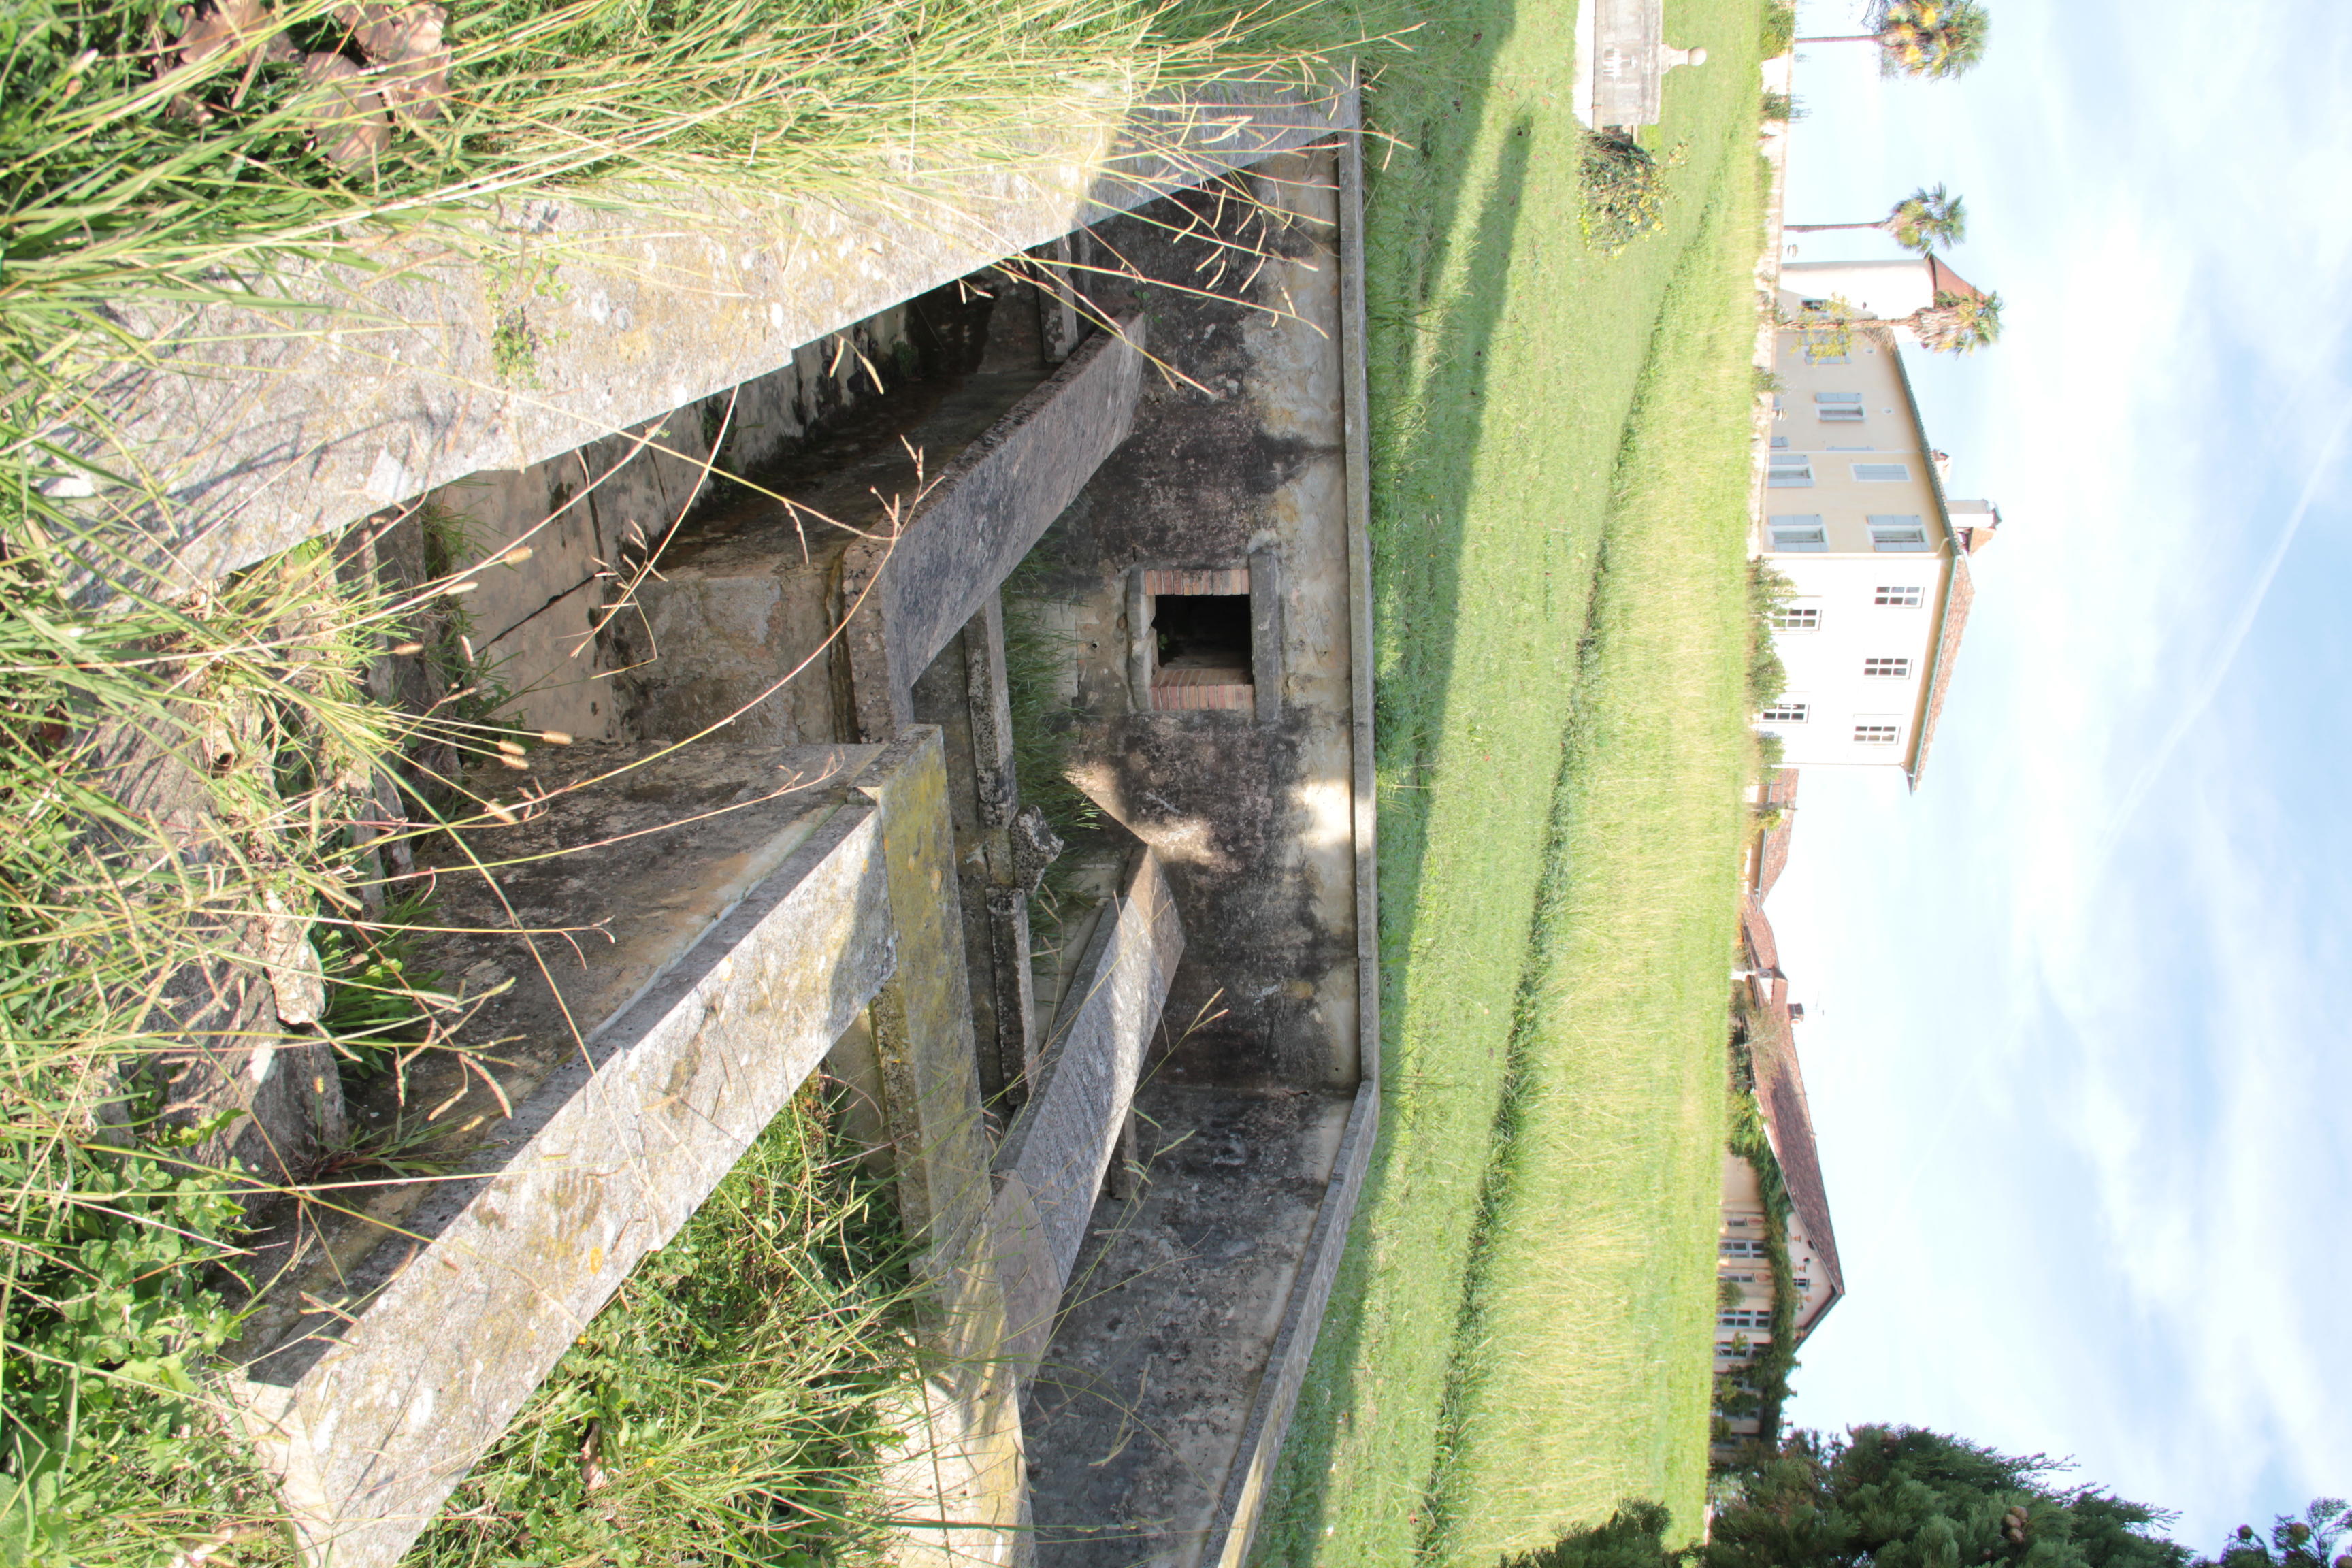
(913, 592)
(964, 693)
(956, 1476)
(1052, 1163)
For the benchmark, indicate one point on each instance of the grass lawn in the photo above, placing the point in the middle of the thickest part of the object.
(1518, 1336)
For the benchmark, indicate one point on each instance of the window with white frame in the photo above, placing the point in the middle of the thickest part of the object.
(1783, 713)
(1839, 408)
(1899, 595)
(1887, 668)
(1798, 531)
(1742, 1247)
(1792, 469)
(1877, 734)
(1882, 473)
(1797, 618)
(1897, 534)
(1743, 1320)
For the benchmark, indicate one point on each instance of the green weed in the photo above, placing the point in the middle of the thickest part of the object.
(728, 1405)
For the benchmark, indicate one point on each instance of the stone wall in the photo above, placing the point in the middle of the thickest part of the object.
(564, 321)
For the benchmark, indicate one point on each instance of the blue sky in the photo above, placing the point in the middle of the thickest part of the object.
(2079, 1010)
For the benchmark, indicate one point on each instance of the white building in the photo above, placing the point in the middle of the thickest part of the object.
(1855, 517)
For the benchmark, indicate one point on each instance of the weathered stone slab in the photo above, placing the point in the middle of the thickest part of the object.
(1061, 1144)
(1145, 1396)
(683, 838)
(1623, 58)
(492, 1277)
(1234, 1525)
(917, 590)
(604, 310)
(957, 1475)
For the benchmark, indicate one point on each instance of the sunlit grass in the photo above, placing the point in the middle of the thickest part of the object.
(731, 1403)
(1505, 358)
(1591, 1298)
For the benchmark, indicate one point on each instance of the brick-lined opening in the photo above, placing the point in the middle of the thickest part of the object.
(1201, 641)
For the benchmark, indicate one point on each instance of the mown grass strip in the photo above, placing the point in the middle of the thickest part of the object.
(1581, 1375)
(1504, 360)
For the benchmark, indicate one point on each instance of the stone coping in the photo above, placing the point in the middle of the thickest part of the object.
(1062, 1142)
(722, 1002)
(688, 837)
(1234, 1524)
(525, 332)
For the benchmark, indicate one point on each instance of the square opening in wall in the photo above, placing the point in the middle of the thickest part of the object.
(1205, 631)
(1201, 638)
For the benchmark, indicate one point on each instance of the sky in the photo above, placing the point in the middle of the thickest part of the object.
(2078, 1011)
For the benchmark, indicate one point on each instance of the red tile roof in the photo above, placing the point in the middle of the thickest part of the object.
(1957, 597)
(1763, 954)
(1952, 613)
(1942, 280)
(1780, 1095)
(1771, 857)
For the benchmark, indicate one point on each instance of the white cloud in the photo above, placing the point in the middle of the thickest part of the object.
(2079, 1059)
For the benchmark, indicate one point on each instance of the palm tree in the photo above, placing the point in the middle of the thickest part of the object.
(1958, 324)
(1954, 324)
(1934, 40)
(1924, 221)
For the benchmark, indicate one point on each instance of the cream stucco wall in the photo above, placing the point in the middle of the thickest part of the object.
(1887, 289)
(1839, 582)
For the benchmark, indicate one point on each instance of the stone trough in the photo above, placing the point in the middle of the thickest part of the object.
(791, 840)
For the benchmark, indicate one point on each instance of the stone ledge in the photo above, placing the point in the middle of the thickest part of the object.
(982, 515)
(404, 375)
(369, 1428)
(1055, 1155)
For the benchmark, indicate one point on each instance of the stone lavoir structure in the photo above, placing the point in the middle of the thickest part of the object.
(793, 811)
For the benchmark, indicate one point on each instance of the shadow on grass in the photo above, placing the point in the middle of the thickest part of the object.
(1426, 472)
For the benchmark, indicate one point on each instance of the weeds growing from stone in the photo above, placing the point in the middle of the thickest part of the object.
(729, 1404)
(201, 789)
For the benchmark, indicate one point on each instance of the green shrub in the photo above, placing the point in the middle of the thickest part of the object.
(1779, 28)
(1626, 192)
(1767, 593)
(1635, 1536)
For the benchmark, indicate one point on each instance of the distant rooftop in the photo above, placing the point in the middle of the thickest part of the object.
(1780, 1095)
